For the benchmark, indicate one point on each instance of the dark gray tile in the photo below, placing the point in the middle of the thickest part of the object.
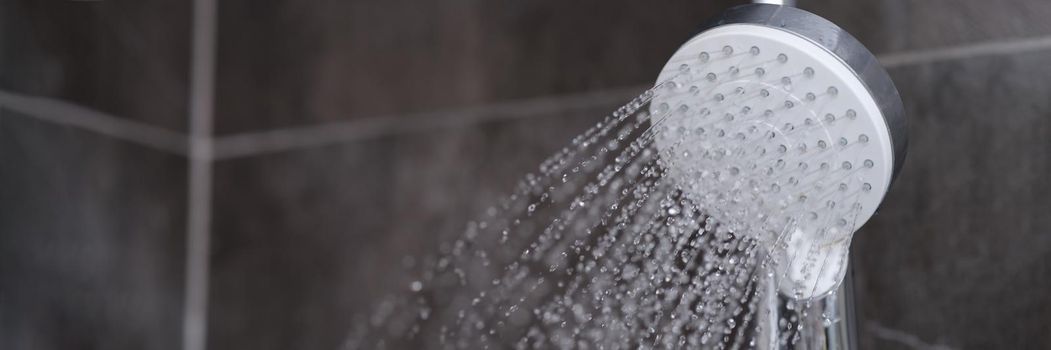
(123, 57)
(284, 63)
(305, 239)
(91, 240)
(960, 253)
(902, 25)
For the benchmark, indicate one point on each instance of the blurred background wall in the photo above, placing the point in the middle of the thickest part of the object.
(279, 193)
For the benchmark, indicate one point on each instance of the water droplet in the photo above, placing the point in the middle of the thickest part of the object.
(663, 107)
(833, 91)
(417, 286)
(863, 138)
(759, 72)
(703, 57)
(728, 50)
(782, 58)
(808, 72)
(754, 50)
(869, 163)
(685, 68)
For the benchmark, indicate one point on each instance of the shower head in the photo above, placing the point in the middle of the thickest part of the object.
(785, 129)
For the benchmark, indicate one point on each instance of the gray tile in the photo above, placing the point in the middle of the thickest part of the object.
(91, 249)
(284, 63)
(123, 57)
(305, 239)
(960, 253)
(903, 25)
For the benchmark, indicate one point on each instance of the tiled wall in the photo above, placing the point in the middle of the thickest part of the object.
(959, 256)
(351, 134)
(92, 185)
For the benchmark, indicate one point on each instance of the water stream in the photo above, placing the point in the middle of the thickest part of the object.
(597, 249)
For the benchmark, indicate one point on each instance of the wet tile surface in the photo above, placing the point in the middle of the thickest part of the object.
(92, 242)
(960, 253)
(291, 64)
(305, 239)
(904, 25)
(125, 58)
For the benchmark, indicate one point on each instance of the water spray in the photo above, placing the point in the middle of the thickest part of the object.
(714, 211)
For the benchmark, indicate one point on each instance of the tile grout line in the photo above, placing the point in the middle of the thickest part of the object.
(275, 140)
(989, 48)
(910, 340)
(199, 174)
(261, 142)
(64, 113)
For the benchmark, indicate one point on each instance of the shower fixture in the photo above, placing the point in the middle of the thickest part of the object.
(786, 129)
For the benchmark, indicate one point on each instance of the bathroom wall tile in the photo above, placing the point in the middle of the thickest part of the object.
(91, 240)
(959, 253)
(128, 58)
(306, 239)
(903, 25)
(284, 63)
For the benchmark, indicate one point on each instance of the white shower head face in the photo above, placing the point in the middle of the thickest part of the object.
(779, 140)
